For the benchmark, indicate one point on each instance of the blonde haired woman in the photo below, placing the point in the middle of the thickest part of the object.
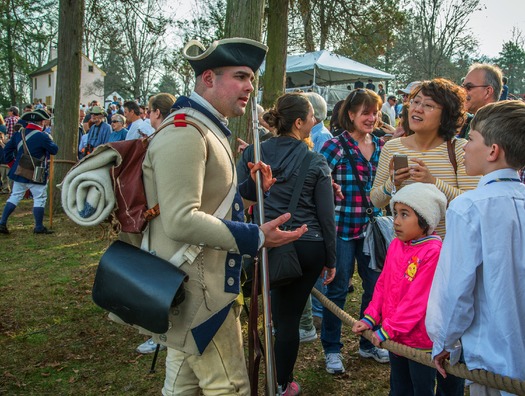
(159, 107)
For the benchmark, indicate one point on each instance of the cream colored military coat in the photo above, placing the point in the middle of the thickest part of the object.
(189, 174)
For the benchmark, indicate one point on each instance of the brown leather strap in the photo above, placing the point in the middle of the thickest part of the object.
(153, 212)
(451, 148)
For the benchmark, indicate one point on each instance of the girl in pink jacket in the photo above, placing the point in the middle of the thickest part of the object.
(398, 307)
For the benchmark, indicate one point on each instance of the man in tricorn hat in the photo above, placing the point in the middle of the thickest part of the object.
(39, 145)
(189, 171)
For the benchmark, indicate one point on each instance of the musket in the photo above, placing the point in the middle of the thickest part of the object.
(271, 382)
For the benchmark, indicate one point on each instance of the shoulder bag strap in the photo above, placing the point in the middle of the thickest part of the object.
(451, 148)
(189, 253)
(297, 188)
(348, 150)
(27, 137)
(26, 149)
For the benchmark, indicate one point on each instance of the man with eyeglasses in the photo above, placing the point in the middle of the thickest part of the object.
(483, 84)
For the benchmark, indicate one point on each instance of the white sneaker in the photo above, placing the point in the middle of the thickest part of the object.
(378, 354)
(334, 363)
(307, 335)
(149, 347)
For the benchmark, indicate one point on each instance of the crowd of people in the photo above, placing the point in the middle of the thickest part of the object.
(450, 288)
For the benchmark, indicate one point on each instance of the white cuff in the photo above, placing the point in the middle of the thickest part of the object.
(261, 239)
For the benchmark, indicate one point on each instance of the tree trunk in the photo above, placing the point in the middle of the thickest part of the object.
(305, 10)
(275, 70)
(244, 18)
(11, 61)
(324, 25)
(70, 27)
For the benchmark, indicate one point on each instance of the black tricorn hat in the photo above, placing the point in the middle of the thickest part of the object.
(36, 115)
(227, 52)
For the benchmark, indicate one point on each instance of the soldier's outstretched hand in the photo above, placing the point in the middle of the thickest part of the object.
(273, 236)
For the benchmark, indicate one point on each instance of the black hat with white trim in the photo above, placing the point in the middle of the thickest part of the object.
(227, 52)
(36, 115)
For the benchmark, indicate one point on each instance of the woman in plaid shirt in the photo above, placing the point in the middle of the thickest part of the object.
(357, 116)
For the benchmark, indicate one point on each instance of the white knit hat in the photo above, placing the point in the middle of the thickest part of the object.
(425, 199)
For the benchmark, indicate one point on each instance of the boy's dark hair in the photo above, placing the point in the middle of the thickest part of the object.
(503, 123)
(132, 106)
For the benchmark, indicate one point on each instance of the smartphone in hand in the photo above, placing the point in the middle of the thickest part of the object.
(400, 161)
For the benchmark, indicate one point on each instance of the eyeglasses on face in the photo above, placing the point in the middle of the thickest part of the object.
(427, 107)
(468, 86)
(113, 121)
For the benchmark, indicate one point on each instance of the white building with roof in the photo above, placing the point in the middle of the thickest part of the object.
(44, 82)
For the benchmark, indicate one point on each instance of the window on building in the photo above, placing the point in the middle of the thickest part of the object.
(91, 69)
(49, 80)
(36, 86)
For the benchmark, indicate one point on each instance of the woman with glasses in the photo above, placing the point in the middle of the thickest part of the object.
(355, 146)
(119, 132)
(159, 107)
(435, 113)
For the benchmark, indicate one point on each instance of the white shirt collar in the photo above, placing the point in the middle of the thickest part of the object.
(203, 102)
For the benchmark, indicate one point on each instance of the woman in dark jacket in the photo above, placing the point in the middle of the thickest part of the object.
(293, 118)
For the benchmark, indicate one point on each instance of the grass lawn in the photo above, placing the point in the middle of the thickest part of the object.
(55, 341)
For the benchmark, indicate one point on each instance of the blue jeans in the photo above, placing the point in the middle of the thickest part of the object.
(317, 307)
(347, 252)
(409, 378)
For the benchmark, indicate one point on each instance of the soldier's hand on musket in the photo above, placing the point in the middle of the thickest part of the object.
(273, 236)
(266, 174)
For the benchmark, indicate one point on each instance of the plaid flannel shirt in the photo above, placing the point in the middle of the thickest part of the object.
(10, 124)
(350, 212)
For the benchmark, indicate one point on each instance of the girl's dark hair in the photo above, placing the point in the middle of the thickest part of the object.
(422, 223)
(451, 97)
(288, 108)
(353, 102)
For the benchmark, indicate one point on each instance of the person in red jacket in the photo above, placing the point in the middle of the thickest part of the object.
(398, 307)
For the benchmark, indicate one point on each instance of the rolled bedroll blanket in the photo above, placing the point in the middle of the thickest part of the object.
(87, 193)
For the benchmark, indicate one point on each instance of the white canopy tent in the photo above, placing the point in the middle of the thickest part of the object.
(326, 68)
(321, 71)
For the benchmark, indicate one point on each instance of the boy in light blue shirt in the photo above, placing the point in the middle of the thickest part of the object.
(477, 300)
